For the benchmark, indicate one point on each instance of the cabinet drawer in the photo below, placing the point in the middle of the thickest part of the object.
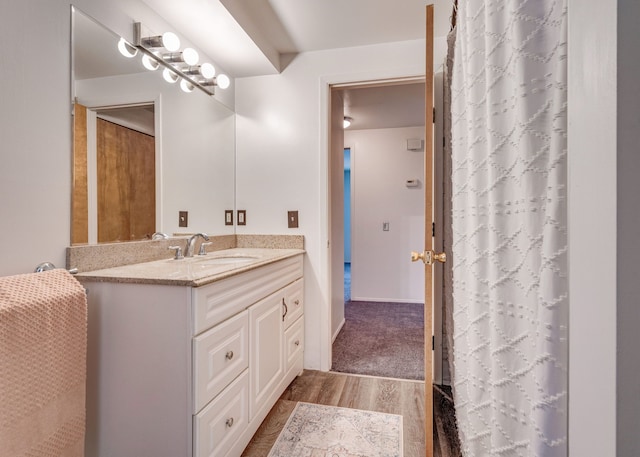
(293, 299)
(294, 344)
(220, 300)
(218, 426)
(219, 355)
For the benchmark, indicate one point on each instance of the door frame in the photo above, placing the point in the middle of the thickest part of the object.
(414, 71)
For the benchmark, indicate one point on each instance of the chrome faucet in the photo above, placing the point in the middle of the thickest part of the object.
(159, 236)
(191, 242)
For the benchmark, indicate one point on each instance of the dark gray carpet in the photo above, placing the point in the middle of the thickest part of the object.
(381, 339)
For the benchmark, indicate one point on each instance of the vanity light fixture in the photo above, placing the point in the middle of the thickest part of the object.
(188, 56)
(169, 76)
(177, 64)
(149, 63)
(186, 86)
(347, 122)
(207, 70)
(167, 40)
(127, 49)
(222, 81)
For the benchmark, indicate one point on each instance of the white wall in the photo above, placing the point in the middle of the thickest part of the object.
(380, 165)
(282, 144)
(35, 122)
(35, 133)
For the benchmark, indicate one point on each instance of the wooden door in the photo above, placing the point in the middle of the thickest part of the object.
(79, 194)
(126, 183)
(428, 235)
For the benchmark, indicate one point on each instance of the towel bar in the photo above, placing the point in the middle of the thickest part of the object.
(44, 266)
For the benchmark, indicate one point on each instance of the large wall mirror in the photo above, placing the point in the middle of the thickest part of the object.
(143, 149)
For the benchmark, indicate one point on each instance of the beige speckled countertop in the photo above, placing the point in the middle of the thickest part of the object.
(194, 271)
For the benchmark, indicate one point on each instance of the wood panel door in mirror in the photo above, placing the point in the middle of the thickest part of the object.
(80, 212)
(126, 183)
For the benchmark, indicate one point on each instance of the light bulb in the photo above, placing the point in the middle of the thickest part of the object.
(346, 122)
(169, 76)
(223, 81)
(126, 49)
(190, 56)
(170, 41)
(207, 70)
(149, 63)
(186, 86)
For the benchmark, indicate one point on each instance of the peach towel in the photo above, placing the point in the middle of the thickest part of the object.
(43, 336)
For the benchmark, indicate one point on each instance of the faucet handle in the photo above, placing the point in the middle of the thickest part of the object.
(178, 250)
(203, 250)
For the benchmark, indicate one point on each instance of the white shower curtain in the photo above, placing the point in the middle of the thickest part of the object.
(509, 227)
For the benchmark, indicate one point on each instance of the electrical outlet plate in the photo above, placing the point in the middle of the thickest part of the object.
(242, 217)
(228, 217)
(292, 219)
(183, 219)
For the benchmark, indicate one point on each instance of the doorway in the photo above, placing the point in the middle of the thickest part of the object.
(382, 159)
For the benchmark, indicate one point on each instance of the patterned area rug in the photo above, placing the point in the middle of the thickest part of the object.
(328, 431)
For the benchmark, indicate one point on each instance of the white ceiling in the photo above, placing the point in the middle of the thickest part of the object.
(249, 37)
(388, 106)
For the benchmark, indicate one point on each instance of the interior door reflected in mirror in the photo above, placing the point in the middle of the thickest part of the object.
(123, 150)
(143, 149)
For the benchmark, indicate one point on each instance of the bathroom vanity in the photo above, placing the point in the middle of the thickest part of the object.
(187, 357)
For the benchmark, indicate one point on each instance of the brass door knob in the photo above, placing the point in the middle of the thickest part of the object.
(428, 257)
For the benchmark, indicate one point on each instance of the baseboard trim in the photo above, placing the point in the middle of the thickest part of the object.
(335, 335)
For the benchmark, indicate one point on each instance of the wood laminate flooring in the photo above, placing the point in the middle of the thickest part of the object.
(349, 391)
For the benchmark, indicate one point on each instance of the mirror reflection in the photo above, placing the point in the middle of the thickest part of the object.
(144, 150)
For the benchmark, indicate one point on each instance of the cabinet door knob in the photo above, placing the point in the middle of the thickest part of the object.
(229, 355)
(297, 342)
(297, 302)
(229, 422)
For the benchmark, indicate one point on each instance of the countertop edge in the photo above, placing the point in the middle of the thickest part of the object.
(94, 276)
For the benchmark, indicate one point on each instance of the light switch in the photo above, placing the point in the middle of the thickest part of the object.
(292, 219)
(242, 217)
(385, 226)
(228, 217)
(183, 218)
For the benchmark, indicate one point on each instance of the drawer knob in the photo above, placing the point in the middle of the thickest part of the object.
(229, 355)
(297, 342)
(297, 302)
(229, 422)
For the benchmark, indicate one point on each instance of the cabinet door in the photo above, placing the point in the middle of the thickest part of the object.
(293, 299)
(267, 355)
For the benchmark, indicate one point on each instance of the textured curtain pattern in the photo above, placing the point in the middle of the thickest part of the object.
(509, 227)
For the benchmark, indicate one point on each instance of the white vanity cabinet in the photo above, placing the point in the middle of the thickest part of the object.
(190, 371)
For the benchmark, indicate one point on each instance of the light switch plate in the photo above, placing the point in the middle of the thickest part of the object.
(228, 217)
(292, 219)
(183, 218)
(242, 217)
